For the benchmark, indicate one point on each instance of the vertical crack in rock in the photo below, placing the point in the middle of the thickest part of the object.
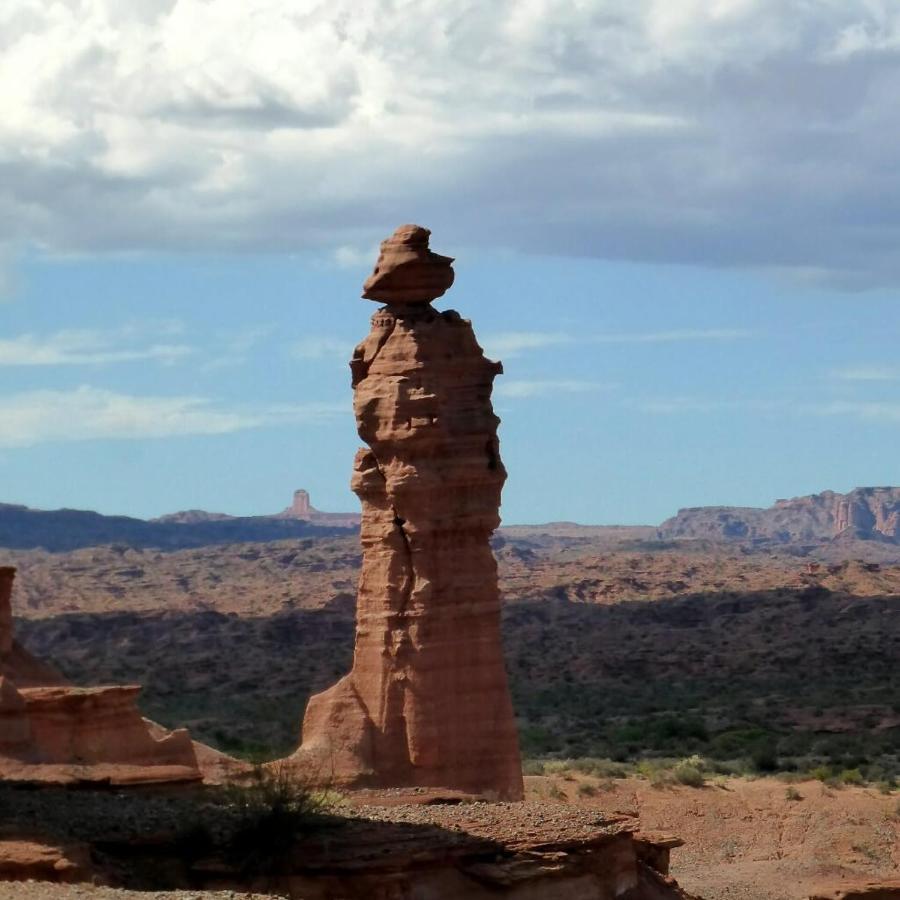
(492, 455)
(409, 579)
(426, 703)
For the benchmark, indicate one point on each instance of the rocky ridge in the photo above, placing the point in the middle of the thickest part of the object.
(870, 513)
(62, 530)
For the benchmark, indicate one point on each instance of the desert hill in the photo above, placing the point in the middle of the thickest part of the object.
(63, 530)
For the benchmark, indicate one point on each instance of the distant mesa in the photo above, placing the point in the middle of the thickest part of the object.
(301, 509)
(62, 530)
(867, 513)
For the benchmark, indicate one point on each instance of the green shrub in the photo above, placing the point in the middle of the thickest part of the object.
(532, 767)
(765, 758)
(851, 776)
(601, 768)
(792, 794)
(554, 792)
(690, 772)
(267, 814)
(586, 789)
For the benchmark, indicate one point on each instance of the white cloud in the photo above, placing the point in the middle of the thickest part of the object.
(238, 347)
(85, 347)
(739, 132)
(520, 389)
(88, 413)
(513, 343)
(347, 257)
(866, 411)
(868, 373)
(321, 348)
(667, 406)
(671, 337)
(9, 273)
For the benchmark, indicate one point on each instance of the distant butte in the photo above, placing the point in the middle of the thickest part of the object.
(301, 509)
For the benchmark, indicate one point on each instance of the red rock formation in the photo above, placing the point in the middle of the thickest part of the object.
(301, 507)
(427, 701)
(407, 272)
(15, 730)
(16, 663)
(51, 731)
(7, 574)
(867, 513)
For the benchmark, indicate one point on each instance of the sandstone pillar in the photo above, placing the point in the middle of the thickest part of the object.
(427, 702)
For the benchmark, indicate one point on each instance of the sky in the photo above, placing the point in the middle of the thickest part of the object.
(676, 223)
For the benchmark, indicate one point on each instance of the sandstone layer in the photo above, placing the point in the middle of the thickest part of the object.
(53, 732)
(427, 701)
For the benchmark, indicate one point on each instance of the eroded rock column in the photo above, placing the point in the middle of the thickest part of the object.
(427, 701)
(7, 576)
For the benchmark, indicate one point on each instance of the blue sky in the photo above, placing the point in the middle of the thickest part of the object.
(629, 390)
(676, 224)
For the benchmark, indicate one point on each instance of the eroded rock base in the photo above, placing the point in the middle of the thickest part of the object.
(468, 851)
(54, 733)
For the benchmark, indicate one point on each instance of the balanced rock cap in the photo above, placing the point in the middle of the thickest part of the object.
(407, 272)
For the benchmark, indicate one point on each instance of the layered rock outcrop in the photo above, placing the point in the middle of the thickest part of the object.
(865, 513)
(427, 702)
(51, 731)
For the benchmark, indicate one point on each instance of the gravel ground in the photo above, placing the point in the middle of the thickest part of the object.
(33, 890)
(513, 824)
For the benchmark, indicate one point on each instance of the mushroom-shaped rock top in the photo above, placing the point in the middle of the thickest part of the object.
(407, 272)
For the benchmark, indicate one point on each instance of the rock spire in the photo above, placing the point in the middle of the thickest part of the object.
(427, 702)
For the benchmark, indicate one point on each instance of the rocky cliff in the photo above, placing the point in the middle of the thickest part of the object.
(53, 732)
(427, 702)
(871, 513)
